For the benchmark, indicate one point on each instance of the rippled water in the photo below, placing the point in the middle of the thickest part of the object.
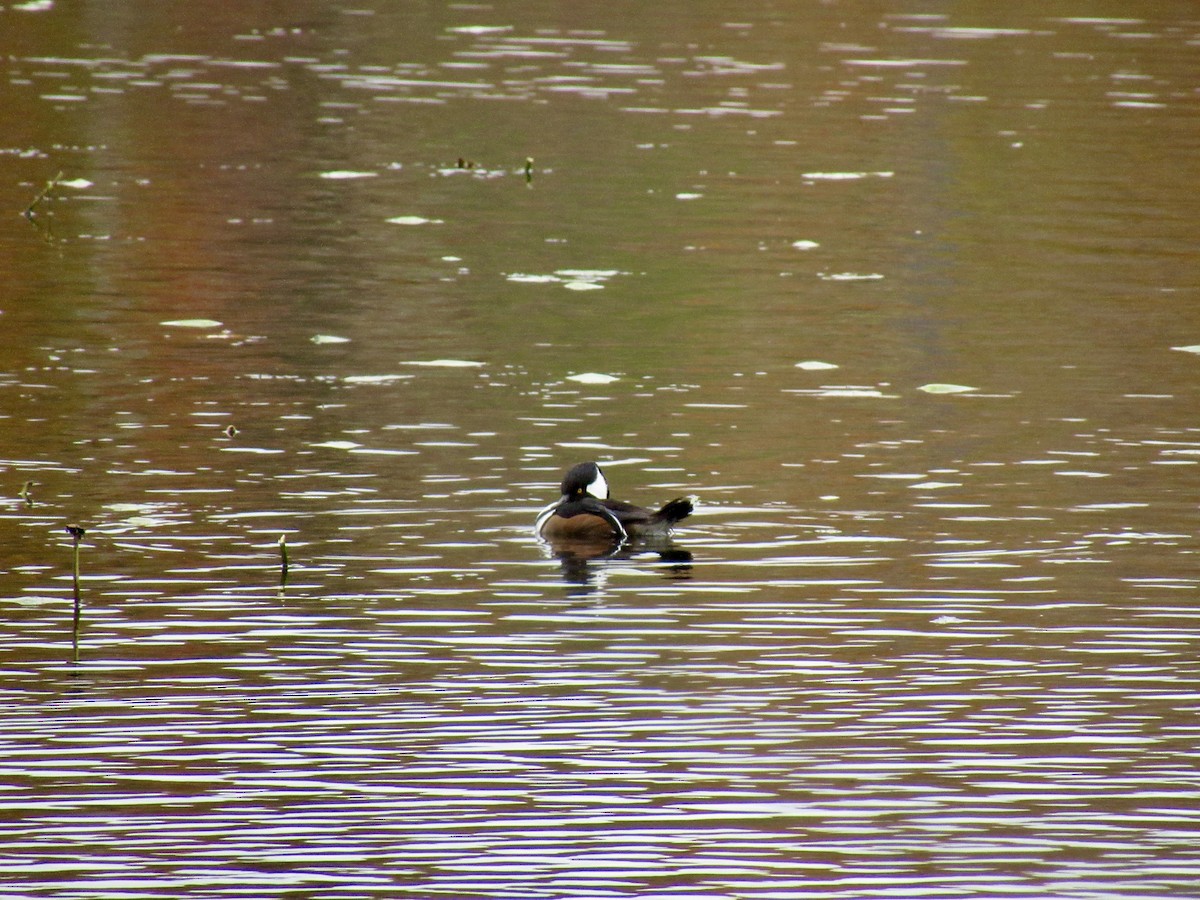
(906, 301)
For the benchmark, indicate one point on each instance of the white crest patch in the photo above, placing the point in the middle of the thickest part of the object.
(599, 487)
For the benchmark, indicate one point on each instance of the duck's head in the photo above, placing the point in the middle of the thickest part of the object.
(585, 479)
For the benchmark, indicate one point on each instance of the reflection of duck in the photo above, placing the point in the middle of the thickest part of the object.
(585, 515)
(590, 564)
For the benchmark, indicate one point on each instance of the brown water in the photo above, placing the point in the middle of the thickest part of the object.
(931, 642)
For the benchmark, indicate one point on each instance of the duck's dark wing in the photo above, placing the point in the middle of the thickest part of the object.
(638, 518)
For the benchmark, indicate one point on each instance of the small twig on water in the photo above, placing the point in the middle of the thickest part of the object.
(26, 493)
(41, 195)
(283, 559)
(76, 533)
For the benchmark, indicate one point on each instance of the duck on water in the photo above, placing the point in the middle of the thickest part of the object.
(585, 512)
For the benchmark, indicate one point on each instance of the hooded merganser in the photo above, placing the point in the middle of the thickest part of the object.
(584, 512)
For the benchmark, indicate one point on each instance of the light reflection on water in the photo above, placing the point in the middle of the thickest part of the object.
(433, 703)
(930, 631)
(787, 713)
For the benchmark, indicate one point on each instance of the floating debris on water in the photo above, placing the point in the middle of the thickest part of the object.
(345, 175)
(376, 379)
(414, 220)
(571, 279)
(444, 363)
(837, 390)
(586, 279)
(192, 323)
(849, 276)
(480, 29)
(593, 378)
(844, 176)
(937, 388)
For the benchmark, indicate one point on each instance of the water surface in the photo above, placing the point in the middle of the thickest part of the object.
(906, 301)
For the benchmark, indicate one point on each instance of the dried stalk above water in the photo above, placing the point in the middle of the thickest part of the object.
(41, 195)
(76, 533)
(283, 560)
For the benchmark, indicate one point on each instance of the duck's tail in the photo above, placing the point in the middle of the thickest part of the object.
(679, 508)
